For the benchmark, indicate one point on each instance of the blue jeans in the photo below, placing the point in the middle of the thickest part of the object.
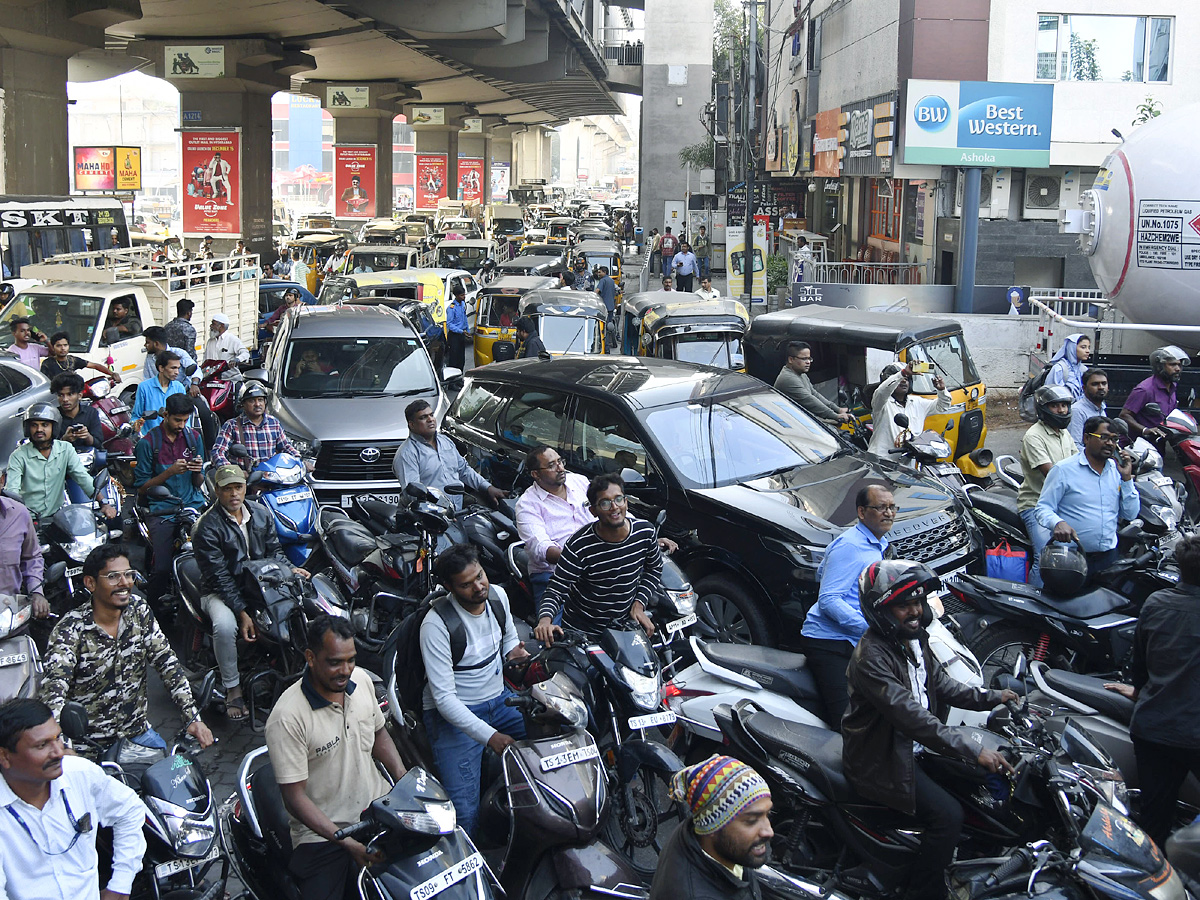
(150, 738)
(1039, 537)
(703, 260)
(458, 755)
(537, 584)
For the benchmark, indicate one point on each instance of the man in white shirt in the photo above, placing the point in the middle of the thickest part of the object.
(52, 807)
(223, 343)
(707, 291)
(300, 269)
(893, 397)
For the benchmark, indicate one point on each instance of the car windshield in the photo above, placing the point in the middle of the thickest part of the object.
(376, 261)
(950, 359)
(453, 257)
(732, 440)
(337, 290)
(567, 334)
(52, 313)
(357, 367)
(711, 348)
(508, 226)
(415, 228)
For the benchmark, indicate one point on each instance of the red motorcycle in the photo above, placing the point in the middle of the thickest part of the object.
(219, 383)
(1183, 435)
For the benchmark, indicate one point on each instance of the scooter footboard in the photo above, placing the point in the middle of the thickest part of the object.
(597, 865)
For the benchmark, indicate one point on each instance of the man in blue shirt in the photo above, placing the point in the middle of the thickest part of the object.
(456, 327)
(686, 267)
(156, 342)
(149, 403)
(1095, 392)
(835, 622)
(1085, 495)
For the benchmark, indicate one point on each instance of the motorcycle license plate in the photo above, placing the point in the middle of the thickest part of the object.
(579, 754)
(292, 496)
(394, 499)
(71, 573)
(680, 624)
(175, 866)
(13, 660)
(1162, 481)
(448, 878)
(651, 721)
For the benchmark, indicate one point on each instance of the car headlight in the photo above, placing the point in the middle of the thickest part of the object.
(438, 818)
(303, 447)
(646, 690)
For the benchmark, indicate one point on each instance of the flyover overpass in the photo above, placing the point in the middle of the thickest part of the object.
(520, 66)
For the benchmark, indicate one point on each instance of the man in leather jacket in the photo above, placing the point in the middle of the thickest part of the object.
(713, 853)
(228, 534)
(898, 695)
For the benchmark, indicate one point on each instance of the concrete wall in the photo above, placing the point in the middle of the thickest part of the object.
(992, 340)
(1002, 242)
(858, 51)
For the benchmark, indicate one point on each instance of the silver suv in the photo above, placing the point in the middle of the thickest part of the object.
(340, 380)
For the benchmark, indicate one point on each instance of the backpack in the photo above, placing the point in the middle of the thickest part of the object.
(410, 664)
(1025, 404)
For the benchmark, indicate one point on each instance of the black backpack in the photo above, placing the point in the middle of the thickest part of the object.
(1025, 405)
(410, 665)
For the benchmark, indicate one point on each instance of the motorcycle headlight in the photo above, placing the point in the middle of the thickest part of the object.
(1167, 514)
(646, 690)
(572, 710)
(288, 475)
(438, 818)
(99, 388)
(78, 549)
(682, 603)
(193, 837)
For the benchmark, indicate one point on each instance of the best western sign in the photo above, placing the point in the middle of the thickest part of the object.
(978, 123)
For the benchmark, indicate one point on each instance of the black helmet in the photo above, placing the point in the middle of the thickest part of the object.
(1163, 355)
(892, 581)
(41, 412)
(253, 389)
(1064, 568)
(289, 291)
(1053, 393)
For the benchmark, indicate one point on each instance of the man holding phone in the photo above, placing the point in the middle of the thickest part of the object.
(80, 424)
(171, 454)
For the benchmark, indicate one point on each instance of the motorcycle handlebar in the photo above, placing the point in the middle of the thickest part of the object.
(351, 830)
(1145, 558)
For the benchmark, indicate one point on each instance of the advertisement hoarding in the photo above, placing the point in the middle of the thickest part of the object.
(825, 144)
(195, 60)
(470, 179)
(428, 115)
(501, 180)
(347, 96)
(212, 172)
(129, 168)
(354, 180)
(95, 169)
(431, 179)
(978, 123)
(735, 242)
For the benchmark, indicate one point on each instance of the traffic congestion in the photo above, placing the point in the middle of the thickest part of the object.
(530, 573)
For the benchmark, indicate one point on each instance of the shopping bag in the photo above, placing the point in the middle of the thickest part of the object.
(1005, 562)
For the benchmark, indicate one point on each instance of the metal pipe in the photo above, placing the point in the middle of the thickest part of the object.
(970, 240)
(1108, 326)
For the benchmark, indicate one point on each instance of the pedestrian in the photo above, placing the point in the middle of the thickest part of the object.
(529, 342)
(1067, 365)
(180, 332)
(668, 247)
(702, 247)
(607, 289)
(686, 266)
(655, 252)
(456, 327)
(300, 269)
(667, 283)
(627, 228)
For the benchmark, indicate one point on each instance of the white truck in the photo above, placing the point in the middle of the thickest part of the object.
(504, 221)
(78, 290)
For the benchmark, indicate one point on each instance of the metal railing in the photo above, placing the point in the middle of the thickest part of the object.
(1072, 303)
(870, 273)
(621, 46)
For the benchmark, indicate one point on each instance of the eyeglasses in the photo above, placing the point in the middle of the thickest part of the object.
(117, 577)
(609, 502)
(557, 464)
(889, 508)
(1104, 438)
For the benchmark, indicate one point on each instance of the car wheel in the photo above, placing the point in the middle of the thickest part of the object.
(726, 612)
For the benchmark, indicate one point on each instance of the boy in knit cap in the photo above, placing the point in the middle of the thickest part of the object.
(713, 854)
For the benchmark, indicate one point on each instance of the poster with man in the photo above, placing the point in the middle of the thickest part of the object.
(431, 179)
(470, 179)
(354, 180)
(212, 165)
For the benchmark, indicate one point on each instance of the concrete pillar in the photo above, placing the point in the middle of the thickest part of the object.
(35, 147)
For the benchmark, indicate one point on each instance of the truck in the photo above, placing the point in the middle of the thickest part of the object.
(78, 290)
(504, 220)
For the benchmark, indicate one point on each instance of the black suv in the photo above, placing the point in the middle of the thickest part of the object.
(754, 488)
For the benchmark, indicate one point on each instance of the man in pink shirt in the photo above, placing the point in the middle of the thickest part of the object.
(24, 347)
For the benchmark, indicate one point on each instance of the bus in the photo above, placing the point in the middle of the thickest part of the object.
(33, 229)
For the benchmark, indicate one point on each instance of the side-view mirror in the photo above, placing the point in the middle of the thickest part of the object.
(253, 478)
(455, 489)
(416, 491)
(843, 398)
(900, 419)
(256, 375)
(949, 426)
(633, 478)
(73, 720)
(159, 492)
(238, 451)
(203, 692)
(101, 479)
(450, 372)
(1153, 409)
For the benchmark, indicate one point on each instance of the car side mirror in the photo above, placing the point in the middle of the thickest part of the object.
(633, 478)
(73, 720)
(900, 419)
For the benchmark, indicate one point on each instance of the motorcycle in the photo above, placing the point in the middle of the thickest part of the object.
(182, 847)
(1183, 435)
(220, 380)
(20, 663)
(116, 427)
(413, 825)
(281, 484)
(926, 450)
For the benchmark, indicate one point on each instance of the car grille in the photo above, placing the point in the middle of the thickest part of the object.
(342, 461)
(970, 430)
(949, 538)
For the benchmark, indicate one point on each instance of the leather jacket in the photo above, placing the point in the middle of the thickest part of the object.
(885, 718)
(684, 870)
(222, 552)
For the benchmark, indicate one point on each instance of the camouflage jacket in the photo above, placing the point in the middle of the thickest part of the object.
(108, 675)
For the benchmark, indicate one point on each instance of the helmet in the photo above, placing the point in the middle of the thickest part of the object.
(292, 290)
(1064, 568)
(1053, 393)
(580, 264)
(42, 412)
(891, 582)
(251, 389)
(1163, 355)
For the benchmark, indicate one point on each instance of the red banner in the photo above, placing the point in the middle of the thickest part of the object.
(431, 179)
(212, 176)
(354, 181)
(470, 179)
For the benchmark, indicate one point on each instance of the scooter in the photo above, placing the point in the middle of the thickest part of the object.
(414, 826)
(220, 380)
(281, 484)
(20, 663)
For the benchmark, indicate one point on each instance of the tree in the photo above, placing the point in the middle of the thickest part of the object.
(729, 33)
(1148, 109)
(1084, 66)
(699, 155)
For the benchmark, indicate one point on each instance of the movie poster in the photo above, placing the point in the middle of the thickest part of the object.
(212, 173)
(354, 181)
(431, 179)
(470, 179)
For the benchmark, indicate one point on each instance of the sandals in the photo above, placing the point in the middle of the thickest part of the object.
(235, 709)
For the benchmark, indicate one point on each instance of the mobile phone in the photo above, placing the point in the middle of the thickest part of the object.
(921, 368)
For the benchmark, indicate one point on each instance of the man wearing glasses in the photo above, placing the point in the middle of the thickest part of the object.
(608, 571)
(99, 654)
(835, 622)
(1085, 495)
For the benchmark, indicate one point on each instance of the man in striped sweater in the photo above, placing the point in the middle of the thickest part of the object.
(608, 571)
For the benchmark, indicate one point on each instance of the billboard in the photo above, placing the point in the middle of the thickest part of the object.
(95, 169)
(826, 156)
(129, 168)
(428, 115)
(470, 179)
(978, 123)
(195, 60)
(212, 172)
(354, 180)
(431, 179)
(501, 180)
(347, 96)
(735, 242)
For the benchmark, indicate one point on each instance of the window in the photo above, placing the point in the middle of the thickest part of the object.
(602, 441)
(1103, 48)
(13, 381)
(535, 417)
(479, 406)
(885, 209)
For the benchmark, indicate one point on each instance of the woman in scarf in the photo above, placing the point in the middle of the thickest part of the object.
(1068, 363)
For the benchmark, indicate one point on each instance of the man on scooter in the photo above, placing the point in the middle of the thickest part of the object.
(22, 567)
(897, 689)
(256, 430)
(1166, 365)
(1046, 442)
(38, 471)
(431, 459)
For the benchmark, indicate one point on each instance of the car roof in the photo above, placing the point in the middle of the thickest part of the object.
(607, 247)
(530, 259)
(467, 242)
(639, 383)
(350, 320)
(384, 248)
(849, 326)
(375, 279)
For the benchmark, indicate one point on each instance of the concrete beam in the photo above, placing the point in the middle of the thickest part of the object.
(534, 48)
(251, 64)
(513, 31)
(625, 79)
(421, 17)
(103, 13)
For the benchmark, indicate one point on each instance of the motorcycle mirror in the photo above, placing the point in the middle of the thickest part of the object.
(239, 451)
(416, 491)
(256, 375)
(1120, 426)
(1153, 409)
(455, 489)
(159, 492)
(203, 694)
(1020, 666)
(949, 426)
(254, 478)
(900, 419)
(101, 480)
(73, 720)
(1008, 682)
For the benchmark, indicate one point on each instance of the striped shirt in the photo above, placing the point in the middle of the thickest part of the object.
(596, 582)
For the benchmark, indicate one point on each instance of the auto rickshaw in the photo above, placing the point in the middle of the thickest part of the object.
(558, 229)
(569, 322)
(464, 254)
(684, 326)
(601, 253)
(399, 284)
(315, 250)
(494, 320)
(851, 346)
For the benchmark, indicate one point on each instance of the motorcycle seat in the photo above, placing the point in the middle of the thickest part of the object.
(351, 541)
(820, 750)
(190, 582)
(332, 515)
(1089, 690)
(380, 511)
(1088, 605)
(272, 815)
(1000, 505)
(776, 670)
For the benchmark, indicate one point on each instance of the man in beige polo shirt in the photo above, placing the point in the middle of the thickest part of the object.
(324, 736)
(1046, 442)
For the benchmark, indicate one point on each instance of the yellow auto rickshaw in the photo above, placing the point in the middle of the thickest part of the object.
(315, 250)
(601, 253)
(569, 322)
(494, 320)
(558, 229)
(684, 326)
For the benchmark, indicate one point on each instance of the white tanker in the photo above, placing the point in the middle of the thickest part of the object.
(1140, 225)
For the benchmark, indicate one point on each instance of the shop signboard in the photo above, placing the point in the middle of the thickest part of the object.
(826, 153)
(978, 123)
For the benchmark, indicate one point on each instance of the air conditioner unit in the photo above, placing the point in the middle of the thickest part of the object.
(1046, 192)
(993, 193)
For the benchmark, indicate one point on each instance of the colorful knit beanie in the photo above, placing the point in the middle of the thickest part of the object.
(716, 790)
